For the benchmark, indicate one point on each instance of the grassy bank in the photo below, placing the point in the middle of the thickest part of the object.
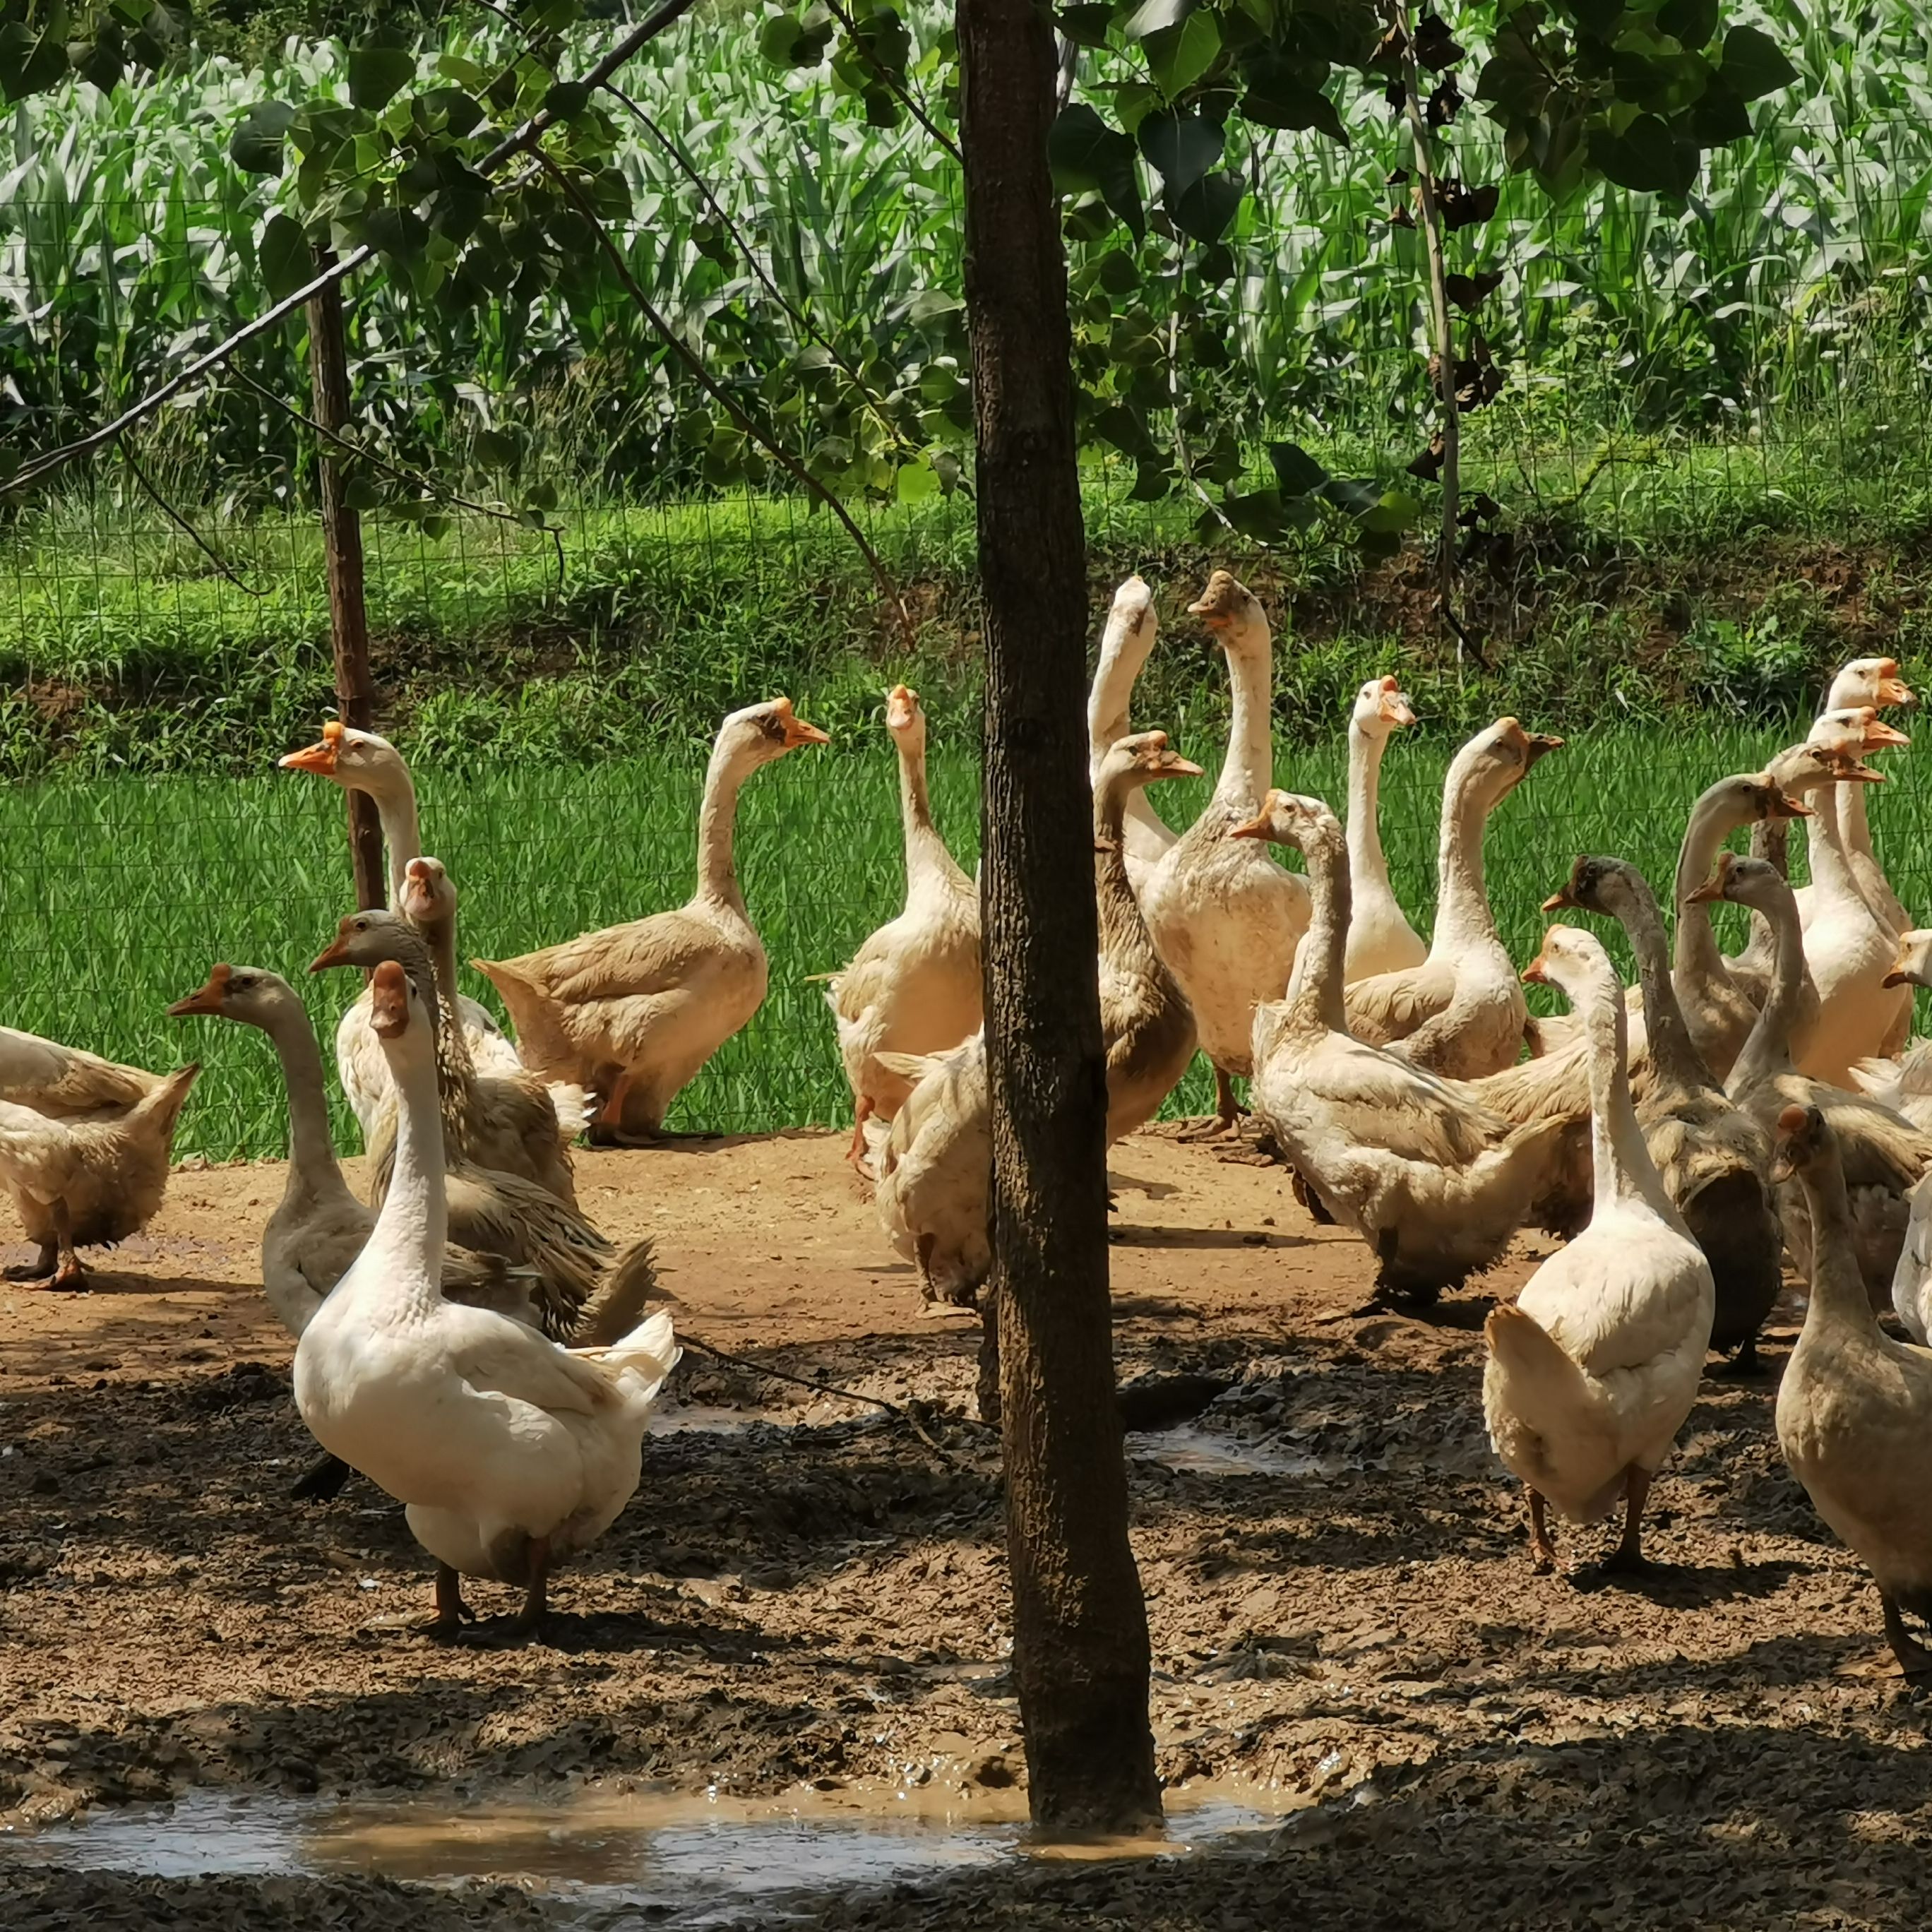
(121, 893)
(1693, 582)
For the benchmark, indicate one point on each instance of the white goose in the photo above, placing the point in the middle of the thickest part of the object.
(913, 986)
(1381, 939)
(1125, 646)
(1222, 914)
(508, 1453)
(359, 760)
(1593, 1368)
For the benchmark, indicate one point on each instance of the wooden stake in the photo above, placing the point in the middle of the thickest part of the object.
(342, 539)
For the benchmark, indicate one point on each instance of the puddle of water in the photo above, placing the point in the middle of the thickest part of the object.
(1203, 1449)
(696, 1860)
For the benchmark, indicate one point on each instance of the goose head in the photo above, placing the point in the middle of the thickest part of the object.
(428, 897)
(1498, 758)
(398, 1014)
(1131, 623)
(1750, 798)
(1755, 882)
(376, 938)
(1231, 612)
(1574, 962)
(1141, 758)
(248, 995)
(1381, 707)
(1913, 966)
(1852, 730)
(760, 733)
(1287, 818)
(1873, 681)
(1803, 769)
(1803, 1140)
(1607, 886)
(356, 761)
(905, 719)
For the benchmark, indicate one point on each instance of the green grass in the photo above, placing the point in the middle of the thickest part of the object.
(122, 892)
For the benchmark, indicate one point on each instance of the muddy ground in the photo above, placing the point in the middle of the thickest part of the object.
(1342, 1611)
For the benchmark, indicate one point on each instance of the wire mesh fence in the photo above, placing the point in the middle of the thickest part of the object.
(1753, 360)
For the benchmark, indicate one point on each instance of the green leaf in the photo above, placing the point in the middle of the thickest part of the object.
(377, 74)
(1394, 511)
(1157, 16)
(1117, 272)
(1087, 154)
(1181, 55)
(541, 496)
(255, 146)
(566, 100)
(283, 254)
(100, 62)
(915, 482)
(1204, 212)
(1717, 118)
(398, 232)
(362, 492)
(1646, 157)
(1295, 471)
(1754, 64)
(1152, 481)
(1353, 497)
(1085, 26)
(1690, 23)
(932, 308)
(1181, 147)
(777, 38)
(494, 450)
(1284, 103)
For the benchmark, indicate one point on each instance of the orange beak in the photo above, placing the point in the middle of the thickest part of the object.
(207, 999)
(1541, 744)
(1255, 828)
(1178, 767)
(319, 757)
(1536, 972)
(1560, 902)
(1878, 736)
(1711, 891)
(797, 732)
(334, 954)
(1780, 804)
(901, 707)
(1395, 709)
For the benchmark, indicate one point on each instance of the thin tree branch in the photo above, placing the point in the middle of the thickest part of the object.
(181, 523)
(414, 479)
(716, 390)
(896, 88)
(689, 169)
(523, 138)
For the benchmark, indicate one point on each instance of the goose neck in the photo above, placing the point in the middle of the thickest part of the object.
(1249, 769)
(1768, 1050)
(1463, 915)
(926, 856)
(717, 825)
(1712, 822)
(395, 795)
(1124, 940)
(314, 1168)
(1366, 860)
(1830, 864)
(1620, 1163)
(1672, 1050)
(1839, 1297)
(1314, 995)
(412, 1228)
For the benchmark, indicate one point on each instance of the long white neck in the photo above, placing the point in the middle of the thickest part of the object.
(1314, 982)
(1767, 1051)
(1712, 820)
(1462, 914)
(1124, 943)
(1249, 769)
(927, 860)
(395, 796)
(1839, 1298)
(1109, 710)
(1667, 1038)
(411, 1232)
(1853, 821)
(1622, 1167)
(1830, 863)
(1368, 868)
(717, 821)
(314, 1169)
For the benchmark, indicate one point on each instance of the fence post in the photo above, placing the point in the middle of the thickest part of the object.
(342, 539)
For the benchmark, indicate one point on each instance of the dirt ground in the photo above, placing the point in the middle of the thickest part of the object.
(1342, 1611)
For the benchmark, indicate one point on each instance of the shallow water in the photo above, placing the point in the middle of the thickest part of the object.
(695, 1860)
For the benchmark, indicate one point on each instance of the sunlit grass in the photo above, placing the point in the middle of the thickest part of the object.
(120, 894)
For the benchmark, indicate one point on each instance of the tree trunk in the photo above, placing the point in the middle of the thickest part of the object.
(1080, 1636)
(342, 540)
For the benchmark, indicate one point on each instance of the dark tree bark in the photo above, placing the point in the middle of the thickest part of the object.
(342, 540)
(1080, 1635)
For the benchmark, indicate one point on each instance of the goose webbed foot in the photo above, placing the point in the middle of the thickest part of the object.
(1542, 1551)
(1228, 1112)
(527, 1625)
(1627, 1559)
(42, 1268)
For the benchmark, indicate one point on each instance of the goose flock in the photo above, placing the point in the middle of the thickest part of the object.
(472, 1342)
